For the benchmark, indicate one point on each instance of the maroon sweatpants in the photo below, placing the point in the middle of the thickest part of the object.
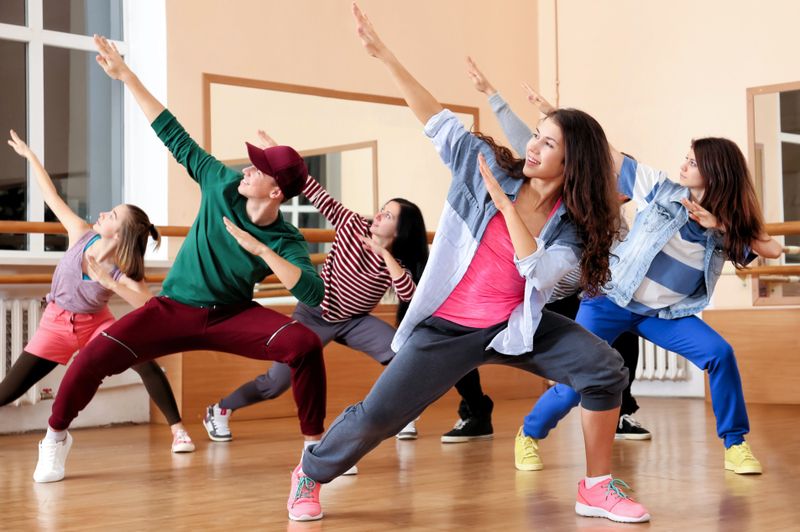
(164, 326)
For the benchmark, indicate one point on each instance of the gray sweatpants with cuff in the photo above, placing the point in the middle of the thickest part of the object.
(436, 356)
(367, 334)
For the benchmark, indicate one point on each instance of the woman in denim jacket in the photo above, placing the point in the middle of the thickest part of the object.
(501, 246)
(665, 271)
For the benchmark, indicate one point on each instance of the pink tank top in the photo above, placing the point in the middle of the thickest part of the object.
(491, 287)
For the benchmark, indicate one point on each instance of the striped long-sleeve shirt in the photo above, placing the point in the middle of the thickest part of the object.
(355, 279)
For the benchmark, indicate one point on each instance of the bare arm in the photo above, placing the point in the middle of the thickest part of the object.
(419, 100)
(110, 59)
(136, 293)
(73, 223)
(766, 246)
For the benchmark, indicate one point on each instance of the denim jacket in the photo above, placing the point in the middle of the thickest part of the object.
(466, 213)
(660, 215)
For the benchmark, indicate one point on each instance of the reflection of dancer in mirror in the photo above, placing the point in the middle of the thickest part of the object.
(102, 259)
(475, 409)
(365, 260)
(206, 302)
(502, 245)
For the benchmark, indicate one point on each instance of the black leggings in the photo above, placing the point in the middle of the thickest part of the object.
(30, 369)
(469, 387)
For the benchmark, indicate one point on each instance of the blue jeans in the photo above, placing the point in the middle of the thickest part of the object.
(689, 337)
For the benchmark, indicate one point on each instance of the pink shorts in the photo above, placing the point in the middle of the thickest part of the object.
(61, 333)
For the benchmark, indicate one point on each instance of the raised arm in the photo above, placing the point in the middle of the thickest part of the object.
(110, 59)
(421, 102)
(73, 223)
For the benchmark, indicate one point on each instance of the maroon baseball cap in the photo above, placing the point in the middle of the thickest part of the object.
(282, 163)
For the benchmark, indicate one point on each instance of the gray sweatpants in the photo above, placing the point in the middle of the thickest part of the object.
(436, 356)
(367, 334)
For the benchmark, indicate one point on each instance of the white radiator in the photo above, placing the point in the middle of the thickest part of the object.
(19, 319)
(658, 364)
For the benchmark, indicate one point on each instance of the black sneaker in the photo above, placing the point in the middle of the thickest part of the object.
(476, 426)
(630, 429)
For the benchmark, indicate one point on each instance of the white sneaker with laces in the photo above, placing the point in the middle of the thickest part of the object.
(52, 459)
(216, 423)
(182, 443)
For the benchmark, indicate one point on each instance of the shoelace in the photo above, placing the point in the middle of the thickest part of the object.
(305, 488)
(50, 452)
(219, 422)
(182, 437)
(529, 448)
(460, 424)
(630, 420)
(615, 487)
(747, 454)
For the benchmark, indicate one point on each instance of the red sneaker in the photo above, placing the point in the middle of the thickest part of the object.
(303, 503)
(607, 499)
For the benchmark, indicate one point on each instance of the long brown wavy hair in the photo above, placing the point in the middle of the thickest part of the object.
(133, 234)
(589, 192)
(729, 194)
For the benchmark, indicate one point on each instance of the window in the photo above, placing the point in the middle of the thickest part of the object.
(58, 100)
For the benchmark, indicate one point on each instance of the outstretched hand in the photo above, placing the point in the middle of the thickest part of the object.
(536, 99)
(497, 193)
(478, 79)
(700, 215)
(369, 37)
(19, 145)
(371, 245)
(109, 58)
(244, 239)
(264, 140)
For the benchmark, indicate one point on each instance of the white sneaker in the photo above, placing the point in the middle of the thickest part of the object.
(409, 432)
(352, 471)
(216, 423)
(182, 443)
(52, 459)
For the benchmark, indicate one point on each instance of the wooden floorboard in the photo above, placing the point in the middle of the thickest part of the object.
(125, 478)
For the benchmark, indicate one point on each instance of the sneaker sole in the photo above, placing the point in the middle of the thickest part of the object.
(406, 436)
(593, 511)
(213, 437)
(638, 437)
(465, 439)
(183, 448)
(528, 467)
(305, 517)
(743, 470)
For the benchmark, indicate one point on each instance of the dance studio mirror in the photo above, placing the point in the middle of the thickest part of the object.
(774, 154)
(370, 148)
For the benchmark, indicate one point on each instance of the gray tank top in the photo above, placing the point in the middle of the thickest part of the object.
(70, 291)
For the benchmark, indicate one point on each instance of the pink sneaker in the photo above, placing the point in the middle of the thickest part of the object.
(608, 500)
(303, 503)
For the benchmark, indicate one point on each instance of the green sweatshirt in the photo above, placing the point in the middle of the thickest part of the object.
(211, 268)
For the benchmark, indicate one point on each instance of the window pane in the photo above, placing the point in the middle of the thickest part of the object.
(790, 112)
(13, 168)
(791, 192)
(83, 134)
(12, 12)
(85, 17)
(316, 169)
(314, 220)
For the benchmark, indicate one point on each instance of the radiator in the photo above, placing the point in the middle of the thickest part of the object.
(19, 319)
(658, 364)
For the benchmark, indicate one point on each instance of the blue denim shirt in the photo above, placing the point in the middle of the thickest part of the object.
(660, 215)
(466, 213)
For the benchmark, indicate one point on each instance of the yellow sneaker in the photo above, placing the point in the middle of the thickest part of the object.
(740, 460)
(526, 453)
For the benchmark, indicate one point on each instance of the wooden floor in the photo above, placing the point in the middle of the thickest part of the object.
(125, 478)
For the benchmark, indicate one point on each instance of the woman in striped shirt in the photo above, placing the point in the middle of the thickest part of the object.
(366, 259)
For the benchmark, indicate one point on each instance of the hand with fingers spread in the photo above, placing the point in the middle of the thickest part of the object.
(478, 79)
(371, 245)
(19, 145)
(369, 37)
(98, 273)
(248, 242)
(264, 140)
(700, 215)
(536, 99)
(109, 58)
(499, 197)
